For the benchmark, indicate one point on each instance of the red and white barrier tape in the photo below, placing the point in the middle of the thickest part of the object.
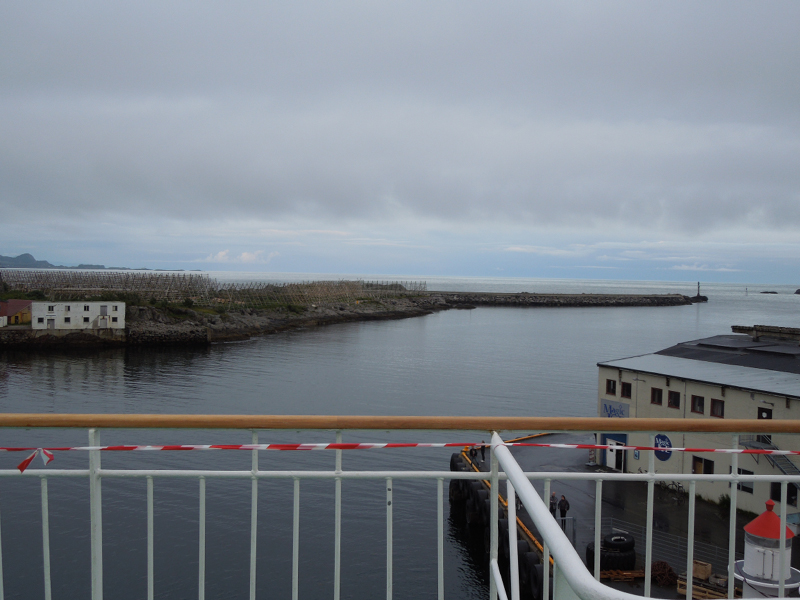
(47, 453)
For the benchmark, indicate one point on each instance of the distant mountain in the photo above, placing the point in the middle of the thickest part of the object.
(24, 261)
(27, 261)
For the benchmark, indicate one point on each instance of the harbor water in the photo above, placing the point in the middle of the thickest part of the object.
(487, 361)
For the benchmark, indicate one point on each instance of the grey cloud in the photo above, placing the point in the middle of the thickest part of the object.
(190, 159)
(676, 117)
(716, 59)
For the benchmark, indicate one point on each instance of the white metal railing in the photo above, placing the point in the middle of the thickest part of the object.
(95, 473)
(570, 578)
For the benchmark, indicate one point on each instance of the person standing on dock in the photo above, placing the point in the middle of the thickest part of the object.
(553, 504)
(563, 506)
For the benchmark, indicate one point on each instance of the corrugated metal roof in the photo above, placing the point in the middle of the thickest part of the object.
(778, 383)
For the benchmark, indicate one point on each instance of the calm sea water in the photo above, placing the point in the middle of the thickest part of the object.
(488, 361)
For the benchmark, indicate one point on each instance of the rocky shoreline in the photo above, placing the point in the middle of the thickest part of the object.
(149, 325)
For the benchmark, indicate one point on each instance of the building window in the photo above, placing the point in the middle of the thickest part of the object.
(655, 396)
(51, 308)
(717, 408)
(702, 466)
(113, 319)
(625, 392)
(698, 404)
(747, 486)
(66, 319)
(85, 319)
(775, 493)
(66, 308)
(611, 387)
(674, 399)
(40, 320)
(86, 307)
(114, 308)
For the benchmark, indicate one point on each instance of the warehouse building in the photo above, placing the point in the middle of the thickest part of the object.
(753, 373)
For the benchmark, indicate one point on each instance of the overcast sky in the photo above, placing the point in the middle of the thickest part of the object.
(615, 140)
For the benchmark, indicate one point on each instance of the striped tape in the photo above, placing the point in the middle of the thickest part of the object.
(47, 453)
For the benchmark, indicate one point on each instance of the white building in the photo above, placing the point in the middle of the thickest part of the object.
(78, 315)
(751, 376)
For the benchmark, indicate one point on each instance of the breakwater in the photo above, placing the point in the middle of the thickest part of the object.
(457, 299)
(151, 325)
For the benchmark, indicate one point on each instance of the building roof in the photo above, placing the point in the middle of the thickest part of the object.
(741, 350)
(736, 361)
(12, 307)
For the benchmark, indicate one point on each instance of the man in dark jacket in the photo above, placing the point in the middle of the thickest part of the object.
(553, 504)
(563, 506)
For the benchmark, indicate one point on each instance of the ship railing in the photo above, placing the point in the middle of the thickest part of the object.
(570, 578)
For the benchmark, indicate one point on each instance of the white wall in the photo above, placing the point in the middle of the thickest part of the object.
(78, 315)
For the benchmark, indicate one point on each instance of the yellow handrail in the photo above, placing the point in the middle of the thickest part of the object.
(556, 424)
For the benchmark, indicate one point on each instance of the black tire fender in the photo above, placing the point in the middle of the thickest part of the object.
(475, 487)
(456, 462)
(487, 510)
(502, 537)
(472, 512)
(619, 541)
(590, 556)
(537, 581)
(456, 492)
(626, 561)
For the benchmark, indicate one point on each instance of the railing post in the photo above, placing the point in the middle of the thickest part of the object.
(440, 535)
(546, 551)
(201, 567)
(46, 539)
(253, 518)
(513, 557)
(337, 534)
(648, 544)
(732, 524)
(96, 516)
(598, 501)
(296, 541)
(782, 552)
(495, 492)
(150, 577)
(690, 541)
(2, 590)
(389, 538)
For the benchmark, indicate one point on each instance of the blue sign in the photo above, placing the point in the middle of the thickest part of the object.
(663, 441)
(615, 410)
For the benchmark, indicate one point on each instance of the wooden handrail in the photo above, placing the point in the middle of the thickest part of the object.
(529, 424)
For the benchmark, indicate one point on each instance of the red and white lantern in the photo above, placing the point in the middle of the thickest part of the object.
(760, 571)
